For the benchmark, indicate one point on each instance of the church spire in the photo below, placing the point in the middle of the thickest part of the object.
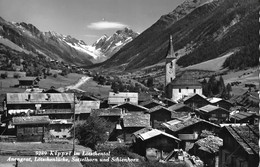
(170, 54)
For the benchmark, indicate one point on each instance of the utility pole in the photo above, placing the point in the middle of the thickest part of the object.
(74, 105)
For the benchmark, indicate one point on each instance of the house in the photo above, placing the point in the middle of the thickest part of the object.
(195, 101)
(110, 114)
(27, 81)
(181, 110)
(214, 113)
(221, 103)
(243, 117)
(159, 115)
(131, 123)
(131, 107)
(154, 143)
(207, 149)
(152, 103)
(168, 102)
(189, 129)
(31, 128)
(122, 97)
(60, 128)
(240, 146)
(84, 108)
(58, 106)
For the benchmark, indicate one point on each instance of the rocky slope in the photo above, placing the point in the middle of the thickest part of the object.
(109, 45)
(60, 47)
(201, 30)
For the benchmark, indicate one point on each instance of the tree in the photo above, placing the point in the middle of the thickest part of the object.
(150, 82)
(92, 131)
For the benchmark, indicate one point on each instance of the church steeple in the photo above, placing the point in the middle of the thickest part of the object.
(170, 54)
(170, 64)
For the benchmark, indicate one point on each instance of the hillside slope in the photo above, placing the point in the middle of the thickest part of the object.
(205, 31)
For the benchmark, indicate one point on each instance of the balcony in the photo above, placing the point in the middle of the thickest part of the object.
(54, 111)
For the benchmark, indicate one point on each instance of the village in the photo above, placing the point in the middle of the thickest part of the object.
(182, 127)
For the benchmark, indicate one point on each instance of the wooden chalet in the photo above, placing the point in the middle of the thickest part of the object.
(153, 143)
(207, 149)
(243, 117)
(214, 113)
(27, 82)
(133, 122)
(168, 102)
(189, 129)
(84, 108)
(58, 106)
(122, 97)
(110, 114)
(221, 103)
(159, 115)
(31, 128)
(131, 107)
(195, 101)
(152, 103)
(240, 146)
(181, 110)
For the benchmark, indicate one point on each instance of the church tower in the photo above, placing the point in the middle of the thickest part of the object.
(170, 64)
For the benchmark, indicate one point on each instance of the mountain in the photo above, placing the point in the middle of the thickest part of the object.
(202, 30)
(110, 45)
(52, 45)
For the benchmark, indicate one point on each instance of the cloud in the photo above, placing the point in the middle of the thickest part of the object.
(101, 25)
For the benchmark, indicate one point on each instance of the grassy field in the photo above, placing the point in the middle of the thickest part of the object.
(59, 81)
(93, 88)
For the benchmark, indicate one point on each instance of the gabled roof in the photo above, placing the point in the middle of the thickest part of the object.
(136, 120)
(106, 112)
(153, 133)
(125, 104)
(210, 144)
(177, 106)
(141, 131)
(121, 97)
(31, 120)
(246, 136)
(193, 95)
(209, 108)
(176, 126)
(86, 106)
(159, 108)
(152, 101)
(241, 115)
(39, 98)
(185, 80)
(216, 100)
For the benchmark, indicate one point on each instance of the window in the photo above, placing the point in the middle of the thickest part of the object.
(194, 90)
(179, 90)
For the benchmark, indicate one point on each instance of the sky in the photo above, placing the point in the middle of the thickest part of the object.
(87, 20)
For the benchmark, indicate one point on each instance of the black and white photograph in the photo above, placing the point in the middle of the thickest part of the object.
(131, 83)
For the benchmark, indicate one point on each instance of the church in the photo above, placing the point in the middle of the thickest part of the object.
(178, 87)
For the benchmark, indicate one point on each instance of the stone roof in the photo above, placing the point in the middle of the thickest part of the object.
(209, 108)
(39, 98)
(31, 120)
(108, 112)
(130, 104)
(176, 126)
(136, 120)
(185, 80)
(152, 101)
(246, 136)
(210, 144)
(241, 115)
(153, 133)
(86, 106)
